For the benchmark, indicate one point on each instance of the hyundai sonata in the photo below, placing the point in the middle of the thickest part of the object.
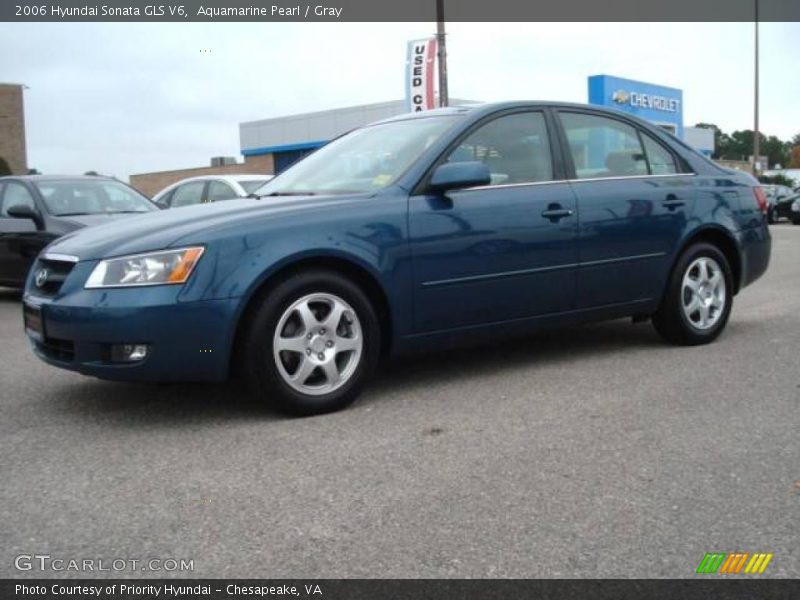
(412, 233)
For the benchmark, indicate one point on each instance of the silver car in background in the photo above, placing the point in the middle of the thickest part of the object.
(208, 188)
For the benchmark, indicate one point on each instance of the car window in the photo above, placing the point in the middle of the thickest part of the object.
(659, 158)
(603, 147)
(188, 194)
(251, 185)
(16, 194)
(217, 190)
(91, 197)
(364, 160)
(514, 147)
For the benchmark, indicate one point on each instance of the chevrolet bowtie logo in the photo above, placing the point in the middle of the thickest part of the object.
(620, 97)
(729, 564)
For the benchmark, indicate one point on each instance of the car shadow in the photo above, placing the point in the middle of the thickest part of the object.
(548, 347)
(132, 405)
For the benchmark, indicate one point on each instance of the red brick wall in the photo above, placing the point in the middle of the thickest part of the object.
(152, 183)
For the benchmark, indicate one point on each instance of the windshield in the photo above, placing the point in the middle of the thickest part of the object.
(252, 185)
(87, 197)
(363, 160)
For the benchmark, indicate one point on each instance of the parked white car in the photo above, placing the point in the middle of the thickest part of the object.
(209, 188)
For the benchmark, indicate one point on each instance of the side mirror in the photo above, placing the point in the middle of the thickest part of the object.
(23, 211)
(455, 175)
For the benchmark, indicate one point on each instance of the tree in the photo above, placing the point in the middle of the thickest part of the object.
(739, 146)
(4, 168)
(776, 151)
(794, 157)
(777, 180)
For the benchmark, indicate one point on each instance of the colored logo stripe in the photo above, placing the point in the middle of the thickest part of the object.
(758, 563)
(711, 562)
(732, 563)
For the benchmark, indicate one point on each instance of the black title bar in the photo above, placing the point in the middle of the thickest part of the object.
(398, 10)
(400, 589)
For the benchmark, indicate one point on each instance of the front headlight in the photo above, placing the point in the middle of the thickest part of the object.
(153, 268)
(796, 206)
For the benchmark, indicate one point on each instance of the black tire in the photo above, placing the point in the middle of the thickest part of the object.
(770, 215)
(670, 321)
(796, 220)
(260, 368)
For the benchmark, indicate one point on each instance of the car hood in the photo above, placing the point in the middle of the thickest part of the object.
(162, 229)
(80, 221)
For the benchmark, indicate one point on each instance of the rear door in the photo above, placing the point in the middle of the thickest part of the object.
(188, 194)
(634, 203)
(498, 252)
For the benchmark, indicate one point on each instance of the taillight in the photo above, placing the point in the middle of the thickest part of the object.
(761, 199)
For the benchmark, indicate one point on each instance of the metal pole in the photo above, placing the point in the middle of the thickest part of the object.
(756, 135)
(441, 53)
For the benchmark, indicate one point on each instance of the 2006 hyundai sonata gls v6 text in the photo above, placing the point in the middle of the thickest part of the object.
(410, 233)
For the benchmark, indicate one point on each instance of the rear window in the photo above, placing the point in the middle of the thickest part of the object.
(252, 185)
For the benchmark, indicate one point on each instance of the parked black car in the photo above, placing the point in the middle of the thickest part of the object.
(775, 195)
(794, 209)
(783, 206)
(36, 209)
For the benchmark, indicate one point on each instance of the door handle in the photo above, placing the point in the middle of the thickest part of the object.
(554, 212)
(672, 202)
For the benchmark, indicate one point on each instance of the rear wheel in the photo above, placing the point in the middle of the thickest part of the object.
(312, 344)
(699, 297)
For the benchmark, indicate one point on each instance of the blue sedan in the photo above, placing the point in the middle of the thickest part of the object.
(418, 232)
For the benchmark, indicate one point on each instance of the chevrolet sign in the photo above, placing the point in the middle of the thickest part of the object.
(650, 101)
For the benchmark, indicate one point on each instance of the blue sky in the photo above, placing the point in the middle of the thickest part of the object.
(129, 98)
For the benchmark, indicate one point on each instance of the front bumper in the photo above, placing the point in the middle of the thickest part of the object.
(189, 341)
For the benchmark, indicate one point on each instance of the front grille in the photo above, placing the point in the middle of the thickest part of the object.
(57, 272)
(63, 350)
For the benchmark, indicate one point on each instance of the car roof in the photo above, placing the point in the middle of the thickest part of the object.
(490, 107)
(35, 178)
(225, 177)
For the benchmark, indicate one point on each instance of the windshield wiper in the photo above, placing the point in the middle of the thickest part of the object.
(273, 194)
(74, 214)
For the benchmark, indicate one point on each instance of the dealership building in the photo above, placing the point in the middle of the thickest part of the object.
(272, 145)
(286, 139)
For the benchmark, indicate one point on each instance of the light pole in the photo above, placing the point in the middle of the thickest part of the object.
(441, 53)
(756, 141)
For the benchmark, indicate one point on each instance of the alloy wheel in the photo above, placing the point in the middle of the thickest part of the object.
(703, 293)
(317, 344)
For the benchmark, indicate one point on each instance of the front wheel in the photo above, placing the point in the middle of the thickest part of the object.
(312, 344)
(699, 297)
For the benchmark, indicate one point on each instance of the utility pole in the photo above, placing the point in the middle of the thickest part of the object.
(756, 135)
(441, 53)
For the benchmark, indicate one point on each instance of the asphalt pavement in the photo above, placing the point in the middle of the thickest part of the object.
(593, 452)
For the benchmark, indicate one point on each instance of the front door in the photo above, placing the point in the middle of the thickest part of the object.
(20, 240)
(499, 252)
